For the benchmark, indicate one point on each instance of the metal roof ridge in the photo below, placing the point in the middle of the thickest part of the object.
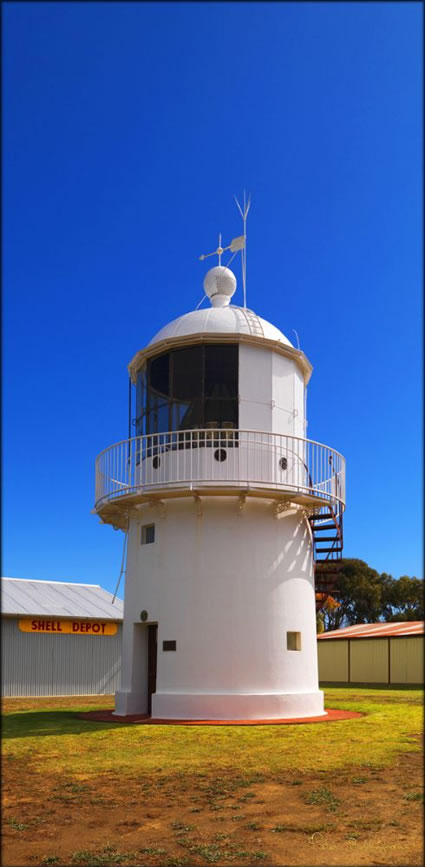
(374, 630)
(52, 581)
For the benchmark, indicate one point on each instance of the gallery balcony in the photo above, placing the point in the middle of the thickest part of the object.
(217, 462)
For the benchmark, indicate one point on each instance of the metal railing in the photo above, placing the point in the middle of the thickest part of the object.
(213, 458)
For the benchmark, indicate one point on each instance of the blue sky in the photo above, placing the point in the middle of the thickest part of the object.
(126, 130)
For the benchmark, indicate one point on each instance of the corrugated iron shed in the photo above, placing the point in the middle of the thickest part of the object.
(376, 630)
(24, 598)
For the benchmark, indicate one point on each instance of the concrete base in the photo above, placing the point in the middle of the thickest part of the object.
(221, 706)
(128, 703)
(225, 706)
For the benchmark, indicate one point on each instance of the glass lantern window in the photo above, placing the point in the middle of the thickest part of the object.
(190, 388)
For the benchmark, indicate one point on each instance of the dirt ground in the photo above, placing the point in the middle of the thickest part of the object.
(355, 817)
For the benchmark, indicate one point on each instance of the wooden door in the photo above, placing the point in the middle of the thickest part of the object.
(152, 657)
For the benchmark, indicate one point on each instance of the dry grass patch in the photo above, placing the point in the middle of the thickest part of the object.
(345, 793)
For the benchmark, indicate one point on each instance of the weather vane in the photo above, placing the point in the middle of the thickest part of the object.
(236, 244)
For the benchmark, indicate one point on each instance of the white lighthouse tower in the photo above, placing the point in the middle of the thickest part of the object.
(223, 500)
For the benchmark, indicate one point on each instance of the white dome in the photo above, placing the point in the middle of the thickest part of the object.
(221, 320)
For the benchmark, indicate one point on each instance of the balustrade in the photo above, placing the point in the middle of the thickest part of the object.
(214, 458)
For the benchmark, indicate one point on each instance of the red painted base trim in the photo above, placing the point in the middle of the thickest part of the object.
(144, 719)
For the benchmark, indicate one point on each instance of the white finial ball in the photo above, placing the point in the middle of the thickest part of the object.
(220, 284)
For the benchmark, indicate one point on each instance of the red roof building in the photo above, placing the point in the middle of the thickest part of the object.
(376, 630)
(373, 653)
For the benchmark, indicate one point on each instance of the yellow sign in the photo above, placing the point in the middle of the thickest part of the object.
(69, 627)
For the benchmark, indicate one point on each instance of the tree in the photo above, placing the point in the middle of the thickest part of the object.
(403, 599)
(365, 596)
(359, 594)
(327, 615)
(320, 623)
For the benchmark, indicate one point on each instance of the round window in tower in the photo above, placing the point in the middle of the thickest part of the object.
(220, 455)
(283, 463)
(156, 462)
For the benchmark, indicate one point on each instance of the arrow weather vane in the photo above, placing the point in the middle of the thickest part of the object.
(236, 244)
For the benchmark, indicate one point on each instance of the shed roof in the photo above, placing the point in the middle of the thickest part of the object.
(26, 597)
(376, 630)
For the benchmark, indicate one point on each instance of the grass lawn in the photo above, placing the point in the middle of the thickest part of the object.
(79, 792)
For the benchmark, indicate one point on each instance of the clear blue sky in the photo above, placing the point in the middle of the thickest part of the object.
(127, 128)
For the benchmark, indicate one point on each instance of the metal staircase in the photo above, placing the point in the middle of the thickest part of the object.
(327, 530)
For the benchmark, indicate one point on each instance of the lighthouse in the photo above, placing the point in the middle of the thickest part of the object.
(224, 503)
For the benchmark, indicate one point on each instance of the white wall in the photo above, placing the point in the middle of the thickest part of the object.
(287, 396)
(271, 391)
(255, 388)
(226, 586)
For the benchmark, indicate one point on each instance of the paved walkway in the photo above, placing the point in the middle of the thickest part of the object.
(144, 719)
